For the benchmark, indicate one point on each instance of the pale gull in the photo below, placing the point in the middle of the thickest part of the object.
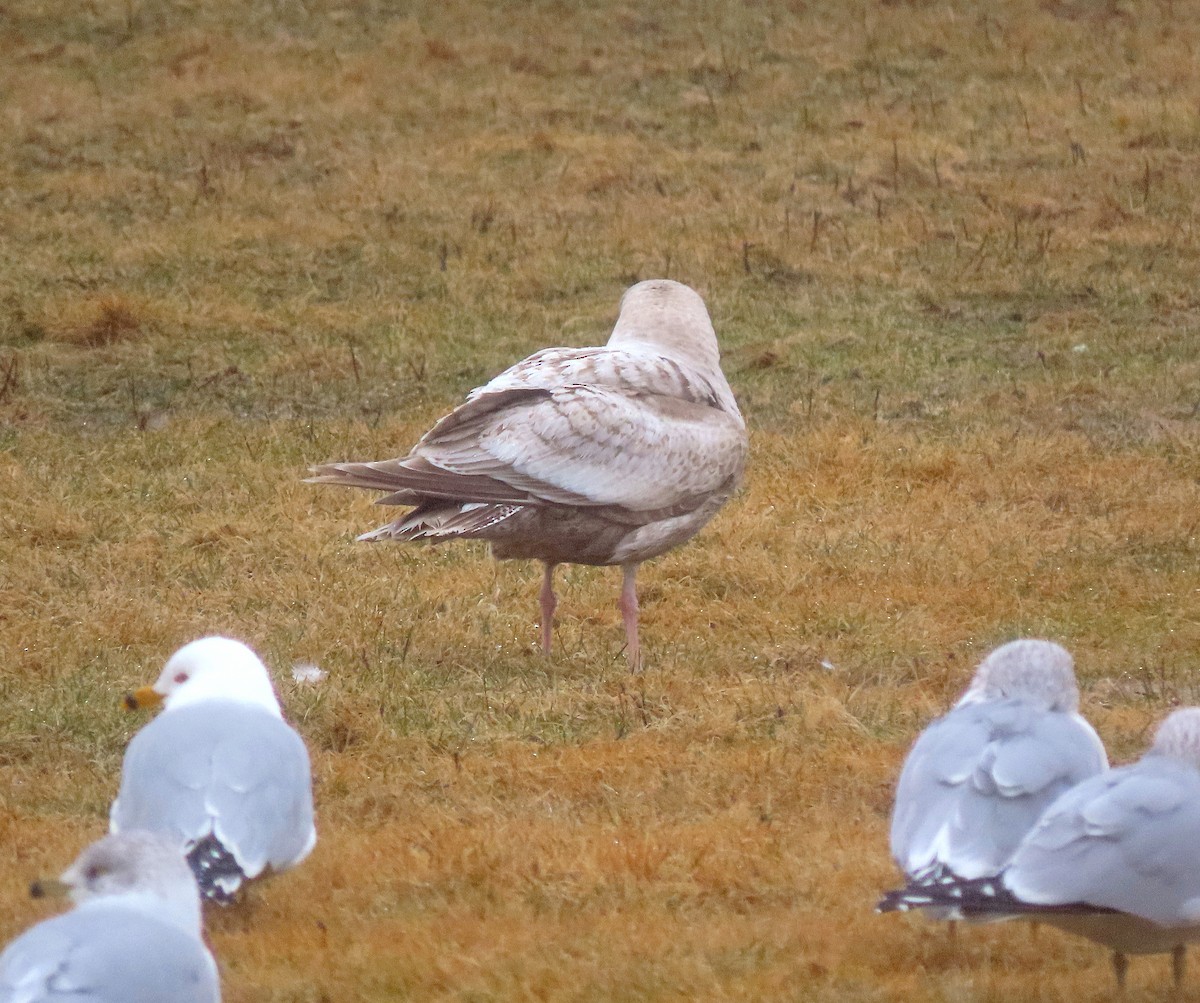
(133, 936)
(978, 779)
(606, 455)
(219, 770)
(1115, 859)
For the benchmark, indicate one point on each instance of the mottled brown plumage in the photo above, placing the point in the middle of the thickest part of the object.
(606, 455)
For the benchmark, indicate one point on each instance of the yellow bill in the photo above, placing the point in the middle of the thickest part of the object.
(143, 698)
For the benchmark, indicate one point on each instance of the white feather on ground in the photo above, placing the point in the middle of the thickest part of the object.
(605, 455)
(134, 933)
(219, 771)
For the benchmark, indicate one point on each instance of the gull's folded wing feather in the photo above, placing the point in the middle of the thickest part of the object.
(162, 783)
(931, 785)
(613, 448)
(260, 796)
(616, 368)
(1118, 841)
(978, 780)
(579, 445)
(238, 771)
(107, 955)
(1054, 752)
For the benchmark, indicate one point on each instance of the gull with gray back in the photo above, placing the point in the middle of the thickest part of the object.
(218, 771)
(978, 779)
(134, 935)
(1115, 859)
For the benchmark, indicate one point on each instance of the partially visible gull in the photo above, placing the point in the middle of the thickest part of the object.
(607, 455)
(219, 770)
(979, 778)
(133, 936)
(1115, 859)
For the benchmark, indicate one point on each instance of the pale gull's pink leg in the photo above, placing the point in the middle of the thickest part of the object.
(628, 605)
(548, 605)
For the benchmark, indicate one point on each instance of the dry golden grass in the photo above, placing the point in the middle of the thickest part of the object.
(951, 251)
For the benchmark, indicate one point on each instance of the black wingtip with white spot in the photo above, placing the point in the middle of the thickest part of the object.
(941, 890)
(217, 872)
(933, 887)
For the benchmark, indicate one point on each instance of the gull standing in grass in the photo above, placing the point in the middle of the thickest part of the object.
(979, 778)
(219, 770)
(133, 936)
(1115, 859)
(606, 455)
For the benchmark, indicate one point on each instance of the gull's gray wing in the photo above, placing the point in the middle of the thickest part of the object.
(1125, 840)
(106, 954)
(224, 768)
(978, 779)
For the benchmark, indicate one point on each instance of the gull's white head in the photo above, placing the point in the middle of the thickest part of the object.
(1179, 736)
(667, 318)
(144, 869)
(212, 668)
(1041, 672)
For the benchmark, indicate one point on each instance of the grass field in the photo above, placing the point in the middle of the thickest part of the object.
(951, 253)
